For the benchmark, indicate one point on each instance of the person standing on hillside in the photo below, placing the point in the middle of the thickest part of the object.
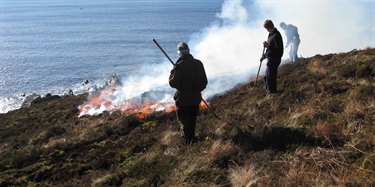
(274, 52)
(188, 76)
(293, 40)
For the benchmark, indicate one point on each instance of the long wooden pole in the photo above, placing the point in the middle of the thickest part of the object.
(162, 50)
(261, 59)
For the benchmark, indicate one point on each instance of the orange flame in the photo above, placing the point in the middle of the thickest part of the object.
(103, 101)
(128, 107)
(97, 101)
(203, 105)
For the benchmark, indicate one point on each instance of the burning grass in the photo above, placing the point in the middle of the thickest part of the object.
(318, 131)
(105, 100)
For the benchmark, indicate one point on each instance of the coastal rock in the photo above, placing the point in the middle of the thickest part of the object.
(36, 98)
(43, 99)
(29, 99)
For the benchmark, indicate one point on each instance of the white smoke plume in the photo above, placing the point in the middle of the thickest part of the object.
(233, 46)
(230, 48)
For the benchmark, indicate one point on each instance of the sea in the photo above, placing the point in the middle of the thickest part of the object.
(52, 46)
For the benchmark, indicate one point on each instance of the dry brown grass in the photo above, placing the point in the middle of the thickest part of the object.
(317, 66)
(318, 167)
(317, 131)
(244, 176)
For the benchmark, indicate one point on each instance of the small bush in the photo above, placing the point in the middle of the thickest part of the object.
(363, 71)
(151, 172)
(293, 96)
(332, 132)
(335, 106)
(336, 87)
(347, 71)
(366, 90)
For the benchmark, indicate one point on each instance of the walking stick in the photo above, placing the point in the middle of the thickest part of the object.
(174, 64)
(261, 60)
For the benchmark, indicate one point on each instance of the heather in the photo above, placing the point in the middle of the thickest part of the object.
(317, 131)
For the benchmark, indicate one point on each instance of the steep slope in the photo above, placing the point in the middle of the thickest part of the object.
(317, 131)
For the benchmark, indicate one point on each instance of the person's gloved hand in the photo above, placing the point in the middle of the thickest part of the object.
(262, 58)
(174, 68)
(265, 44)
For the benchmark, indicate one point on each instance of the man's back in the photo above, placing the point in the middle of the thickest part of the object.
(291, 31)
(189, 78)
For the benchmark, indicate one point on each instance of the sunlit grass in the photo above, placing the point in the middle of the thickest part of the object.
(317, 131)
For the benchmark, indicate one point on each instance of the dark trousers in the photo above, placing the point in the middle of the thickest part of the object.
(271, 75)
(187, 116)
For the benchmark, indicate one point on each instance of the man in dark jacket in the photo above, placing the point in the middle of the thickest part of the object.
(274, 52)
(189, 78)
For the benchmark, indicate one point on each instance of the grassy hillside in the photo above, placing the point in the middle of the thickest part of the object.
(318, 131)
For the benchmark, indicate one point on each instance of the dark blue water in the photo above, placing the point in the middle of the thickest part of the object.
(51, 46)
